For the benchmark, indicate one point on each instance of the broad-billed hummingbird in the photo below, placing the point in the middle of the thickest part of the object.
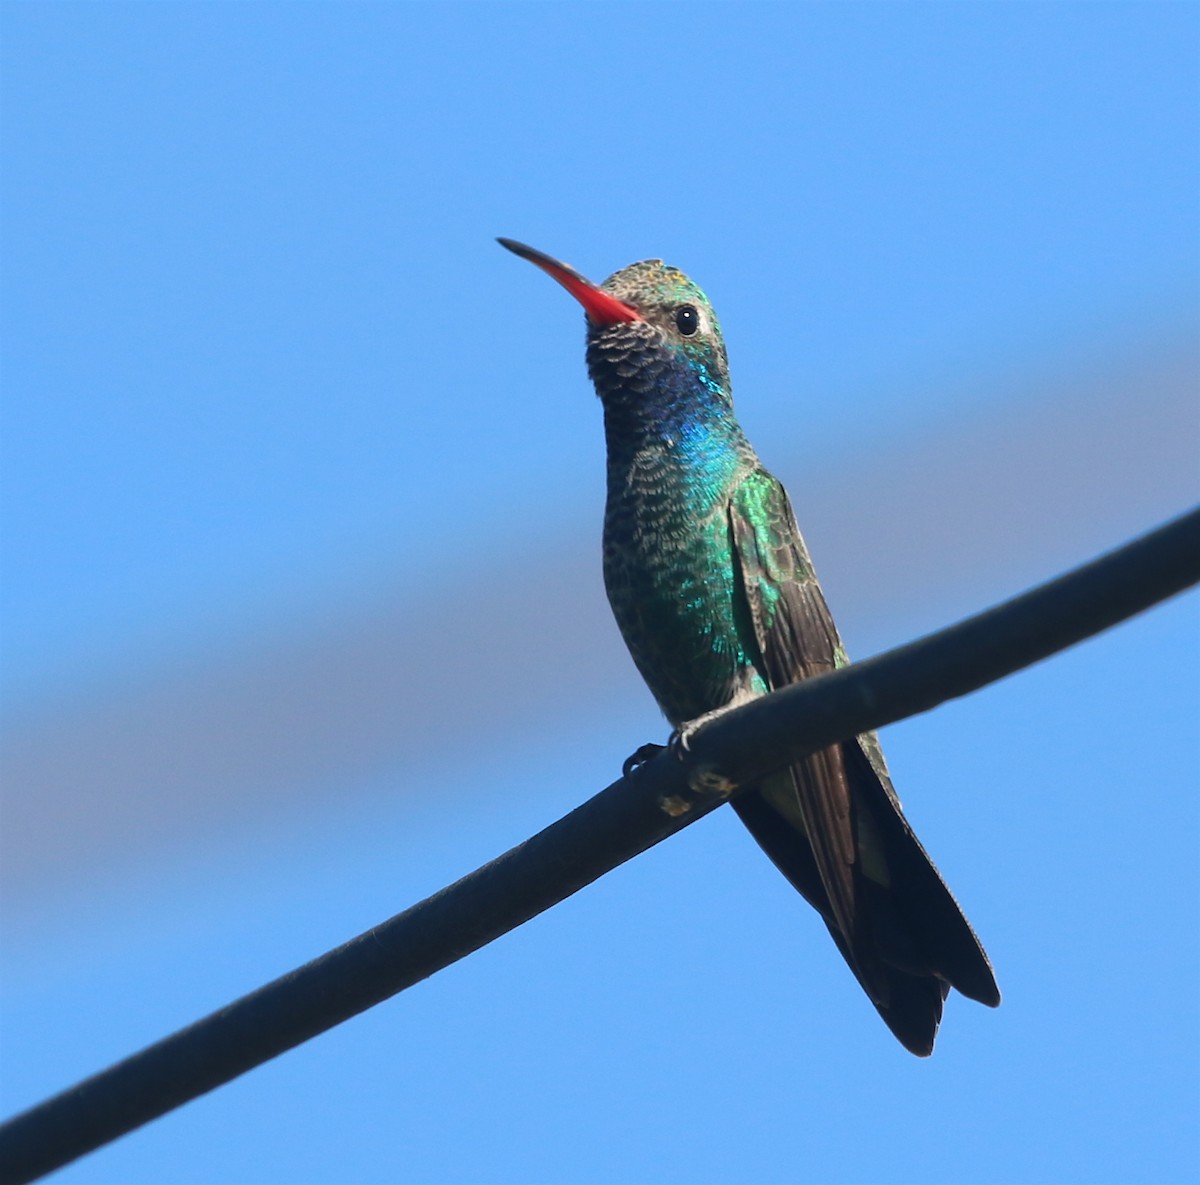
(715, 596)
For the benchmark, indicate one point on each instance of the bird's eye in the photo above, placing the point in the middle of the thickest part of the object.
(687, 320)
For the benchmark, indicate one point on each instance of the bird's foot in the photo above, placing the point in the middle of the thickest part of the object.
(704, 779)
(640, 756)
(681, 739)
(677, 745)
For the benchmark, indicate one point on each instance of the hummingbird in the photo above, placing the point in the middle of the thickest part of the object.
(715, 596)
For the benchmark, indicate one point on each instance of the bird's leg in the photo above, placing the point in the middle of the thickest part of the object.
(708, 781)
(681, 739)
(705, 779)
(640, 756)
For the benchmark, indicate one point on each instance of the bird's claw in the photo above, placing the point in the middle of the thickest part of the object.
(640, 756)
(680, 742)
(677, 746)
(704, 779)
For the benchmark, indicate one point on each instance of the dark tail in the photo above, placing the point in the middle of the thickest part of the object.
(907, 942)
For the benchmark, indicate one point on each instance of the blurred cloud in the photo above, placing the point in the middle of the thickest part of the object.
(906, 535)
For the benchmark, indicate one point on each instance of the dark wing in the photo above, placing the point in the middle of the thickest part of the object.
(796, 639)
(833, 823)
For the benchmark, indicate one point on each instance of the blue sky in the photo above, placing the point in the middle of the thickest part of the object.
(301, 612)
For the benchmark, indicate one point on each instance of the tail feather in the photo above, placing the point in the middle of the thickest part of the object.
(909, 942)
(927, 908)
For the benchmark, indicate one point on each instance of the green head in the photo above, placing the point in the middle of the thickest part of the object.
(685, 328)
(654, 345)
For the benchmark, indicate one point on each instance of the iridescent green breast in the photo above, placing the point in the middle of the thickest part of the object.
(670, 574)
